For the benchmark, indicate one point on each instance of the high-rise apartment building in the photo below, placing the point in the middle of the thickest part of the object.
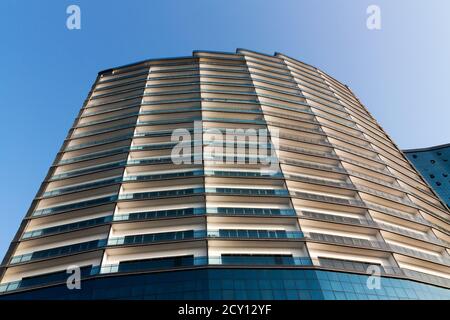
(318, 202)
(434, 165)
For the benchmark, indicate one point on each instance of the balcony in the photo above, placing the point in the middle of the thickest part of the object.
(248, 192)
(148, 215)
(156, 237)
(254, 234)
(59, 251)
(67, 227)
(75, 206)
(161, 194)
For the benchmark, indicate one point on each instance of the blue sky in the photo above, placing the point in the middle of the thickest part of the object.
(401, 72)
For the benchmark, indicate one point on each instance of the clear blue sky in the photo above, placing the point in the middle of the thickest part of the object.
(401, 72)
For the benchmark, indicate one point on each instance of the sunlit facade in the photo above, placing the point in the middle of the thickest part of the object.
(342, 202)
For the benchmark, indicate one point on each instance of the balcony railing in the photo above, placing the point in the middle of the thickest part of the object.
(67, 227)
(82, 187)
(161, 194)
(59, 251)
(248, 192)
(160, 214)
(75, 206)
(156, 237)
(254, 234)
(78, 172)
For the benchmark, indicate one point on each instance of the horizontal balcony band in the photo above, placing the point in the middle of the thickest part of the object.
(333, 168)
(373, 158)
(327, 182)
(254, 234)
(398, 214)
(115, 86)
(197, 76)
(229, 211)
(362, 204)
(290, 116)
(150, 215)
(328, 155)
(99, 142)
(317, 141)
(377, 245)
(371, 223)
(75, 206)
(177, 262)
(356, 266)
(199, 191)
(43, 279)
(256, 121)
(95, 155)
(156, 237)
(383, 171)
(103, 130)
(120, 100)
(421, 255)
(316, 197)
(161, 194)
(321, 95)
(201, 234)
(108, 119)
(153, 146)
(229, 84)
(163, 160)
(229, 120)
(158, 133)
(331, 110)
(315, 77)
(218, 211)
(59, 251)
(118, 78)
(92, 169)
(393, 185)
(402, 200)
(171, 121)
(309, 111)
(223, 234)
(79, 225)
(117, 92)
(236, 75)
(159, 214)
(156, 112)
(82, 187)
(320, 132)
(248, 192)
(306, 83)
(106, 111)
(162, 176)
(134, 85)
(264, 260)
(317, 130)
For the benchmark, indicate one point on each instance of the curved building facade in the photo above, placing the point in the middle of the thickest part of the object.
(228, 176)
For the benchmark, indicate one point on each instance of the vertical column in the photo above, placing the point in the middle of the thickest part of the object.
(161, 207)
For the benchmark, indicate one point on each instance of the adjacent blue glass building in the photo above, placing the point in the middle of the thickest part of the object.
(434, 165)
